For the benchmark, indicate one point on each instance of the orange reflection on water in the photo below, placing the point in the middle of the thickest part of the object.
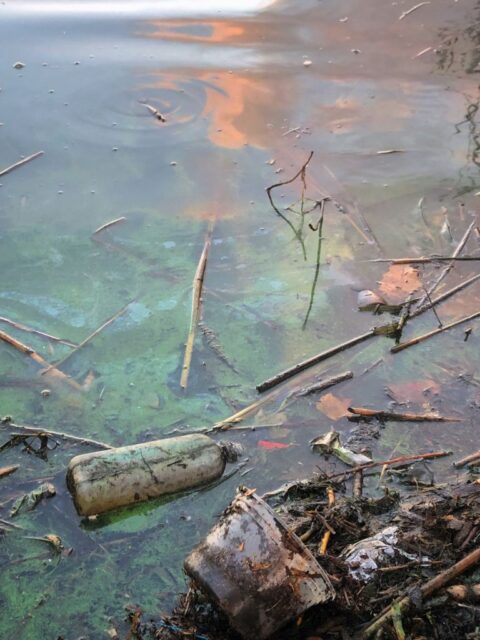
(211, 31)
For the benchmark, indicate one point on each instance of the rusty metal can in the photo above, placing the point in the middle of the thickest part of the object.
(259, 573)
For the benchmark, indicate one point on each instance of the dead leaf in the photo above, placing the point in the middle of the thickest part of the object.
(399, 281)
(413, 391)
(334, 407)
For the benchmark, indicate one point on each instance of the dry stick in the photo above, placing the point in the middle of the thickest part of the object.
(449, 266)
(358, 484)
(399, 460)
(90, 337)
(427, 259)
(23, 348)
(471, 458)
(277, 210)
(6, 471)
(427, 589)
(316, 387)
(425, 336)
(23, 327)
(412, 9)
(35, 431)
(445, 295)
(326, 536)
(107, 225)
(20, 163)
(400, 417)
(195, 315)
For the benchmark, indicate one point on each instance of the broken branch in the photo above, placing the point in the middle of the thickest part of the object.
(38, 431)
(20, 163)
(360, 412)
(425, 336)
(23, 327)
(195, 315)
(107, 225)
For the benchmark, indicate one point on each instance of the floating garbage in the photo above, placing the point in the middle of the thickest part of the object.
(329, 443)
(258, 572)
(105, 480)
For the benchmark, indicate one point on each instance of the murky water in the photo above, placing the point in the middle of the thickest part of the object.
(242, 111)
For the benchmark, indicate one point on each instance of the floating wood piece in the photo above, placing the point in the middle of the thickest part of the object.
(195, 314)
(305, 364)
(446, 270)
(155, 112)
(360, 412)
(324, 355)
(107, 225)
(388, 463)
(48, 368)
(387, 152)
(412, 9)
(6, 471)
(422, 52)
(90, 337)
(42, 334)
(427, 259)
(3, 172)
(430, 334)
(426, 590)
(357, 484)
(473, 457)
(39, 431)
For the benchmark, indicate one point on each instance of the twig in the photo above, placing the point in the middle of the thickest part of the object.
(422, 52)
(305, 364)
(10, 524)
(289, 373)
(37, 431)
(90, 337)
(155, 112)
(6, 471)
(427, 589)
(316, 387)
(399, 460)
(23, 327)
(400, 417)
(50, 368)
(358, 484)
(387, 152)
(449, 266)
(470, 458)
(426, 259)
(20, 163)
(317, 262)
(412, 9)
(326, 536)
(195, 315)
(277, 210)
(107, 225)
(425, 336)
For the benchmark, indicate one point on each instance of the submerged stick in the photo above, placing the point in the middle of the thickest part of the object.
(388, 463)
(107, 225)
(446, 270)
(316, 387)
(42, 334)
(269, 190)
(90, 337)
(37, 431)
(195, 315)
(305, 364)
(426, 259)
(322, 550)
(48, 368)
(430, 334)
(317, 264)
(361, 412)
(427, 589)
(3, 172)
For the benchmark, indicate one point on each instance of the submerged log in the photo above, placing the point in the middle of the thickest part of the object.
(105, 480)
